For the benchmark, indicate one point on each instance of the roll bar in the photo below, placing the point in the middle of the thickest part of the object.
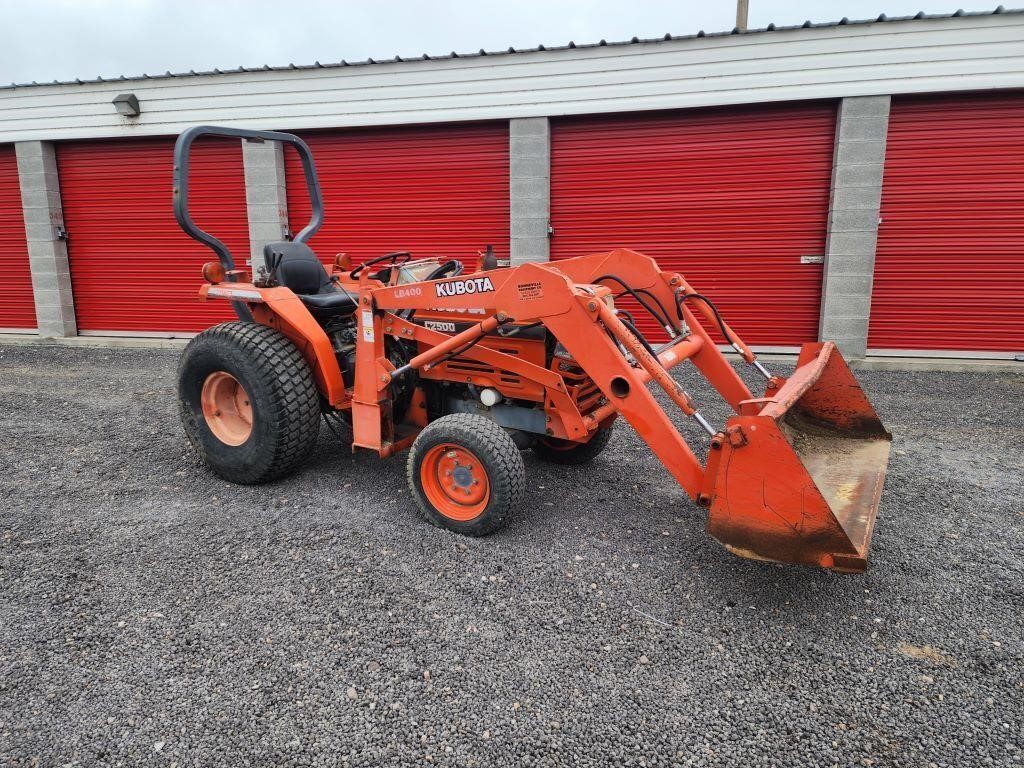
(181, 179)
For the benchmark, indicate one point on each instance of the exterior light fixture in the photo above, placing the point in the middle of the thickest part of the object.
(127, 104)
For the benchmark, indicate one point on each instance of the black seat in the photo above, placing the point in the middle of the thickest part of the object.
(300, 270)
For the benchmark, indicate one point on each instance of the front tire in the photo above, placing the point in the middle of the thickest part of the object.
(248, 402)
(466, 474)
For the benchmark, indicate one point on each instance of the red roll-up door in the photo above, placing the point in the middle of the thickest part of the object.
(434, 190)
(132, 268)
(730, 198)
(949, 269)
(17, 303)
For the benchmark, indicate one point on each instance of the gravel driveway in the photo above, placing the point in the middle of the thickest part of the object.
(151, 614)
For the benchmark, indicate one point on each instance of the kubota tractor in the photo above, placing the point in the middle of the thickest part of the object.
(466, 369)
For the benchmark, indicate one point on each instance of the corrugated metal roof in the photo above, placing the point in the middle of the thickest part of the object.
(883, 18)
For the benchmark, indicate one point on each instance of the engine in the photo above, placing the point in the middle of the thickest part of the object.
(342, 333)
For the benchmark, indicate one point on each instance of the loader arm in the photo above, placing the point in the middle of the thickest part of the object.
(641, 273)
(795, 476)
(625, 386)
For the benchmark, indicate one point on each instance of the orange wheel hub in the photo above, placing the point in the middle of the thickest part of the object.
(226, 408)
(455, 482)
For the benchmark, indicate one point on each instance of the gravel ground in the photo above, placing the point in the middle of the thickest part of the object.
(151, 614)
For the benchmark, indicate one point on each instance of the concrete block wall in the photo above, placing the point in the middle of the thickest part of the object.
(266, 198)
(854, 204)
(530, 188)
(47, 253)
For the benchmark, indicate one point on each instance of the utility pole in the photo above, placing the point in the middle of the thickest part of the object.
(742, 6)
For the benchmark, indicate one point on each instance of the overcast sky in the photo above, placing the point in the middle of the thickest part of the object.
(44, 40)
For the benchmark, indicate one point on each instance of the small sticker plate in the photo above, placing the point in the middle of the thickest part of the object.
(367, 323)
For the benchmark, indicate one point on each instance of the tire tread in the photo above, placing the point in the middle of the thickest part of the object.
(507, 475)
(295, 406)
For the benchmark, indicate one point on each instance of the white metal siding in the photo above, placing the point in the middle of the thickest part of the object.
(917, 56)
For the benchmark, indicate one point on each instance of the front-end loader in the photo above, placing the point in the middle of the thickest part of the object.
(467, 369)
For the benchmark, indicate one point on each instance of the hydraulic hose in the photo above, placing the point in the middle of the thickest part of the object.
(681, 297)
(519, 329)
(662, 317)
(456, 352)
(627, 314)
(639, 336)
(467, 346)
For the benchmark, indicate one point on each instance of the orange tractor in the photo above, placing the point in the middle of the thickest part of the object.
(467, 369)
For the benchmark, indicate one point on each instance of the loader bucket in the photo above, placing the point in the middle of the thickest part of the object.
(799, 474)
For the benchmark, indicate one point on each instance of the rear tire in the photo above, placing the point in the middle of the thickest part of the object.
(567, 452)
(248, 402)
(466, 474)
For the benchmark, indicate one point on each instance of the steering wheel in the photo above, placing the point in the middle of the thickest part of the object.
(452, 266)
(392, 257)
